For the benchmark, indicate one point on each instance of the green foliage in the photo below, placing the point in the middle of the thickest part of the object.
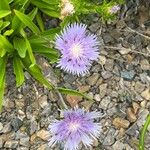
(23, 34)
(19, 37)
(143, 133)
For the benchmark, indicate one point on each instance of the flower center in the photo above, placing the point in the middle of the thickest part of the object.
(76, 50)
(73, 126)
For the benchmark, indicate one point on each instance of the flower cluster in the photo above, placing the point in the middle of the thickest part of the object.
(114, 9)
(76, 127)
(67, 9)
(78, 49)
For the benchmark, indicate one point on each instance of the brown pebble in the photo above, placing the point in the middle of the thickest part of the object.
(84, 88)
(121, 123)
(43, 134)
(130, 115)
(73, 100)
(136, 107)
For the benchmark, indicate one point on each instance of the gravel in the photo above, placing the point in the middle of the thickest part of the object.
(118, 82)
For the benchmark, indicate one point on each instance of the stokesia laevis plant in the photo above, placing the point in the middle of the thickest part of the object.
(76, 127)
(78, 49)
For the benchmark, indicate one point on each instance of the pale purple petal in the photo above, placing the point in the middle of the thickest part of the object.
(76, 127)
(78, 49)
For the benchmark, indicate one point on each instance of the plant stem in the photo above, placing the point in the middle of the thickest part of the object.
(143, 133)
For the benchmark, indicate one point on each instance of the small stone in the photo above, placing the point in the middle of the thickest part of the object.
(84, 88)
(69, 78)
(1, 142)
(121, 133)
(139, 87)
(93, 79)
(94, 27)
(102, 60)
(43, 134)
(32, 138)
(142, 117)
(105, 102)
(103, 90)
(143, 103)
(43, 147)
(107, 38)
(106, 74)
(145, 64)
(110, 138)
(43, 101)
(121, 123)
(21, 115)
(73, 100)
(33, 125)
(118, 145)
(7, 128)
(109, 64)
(11, 144)
(24, 141)
(87, 104)
(16, 124)
(120, 24)
(97, 97)
(1, 127)
(128, 75)
(95, 143)
(132, 131)
(135, 107)
(124, 51)
(131, 116)
(146, 94)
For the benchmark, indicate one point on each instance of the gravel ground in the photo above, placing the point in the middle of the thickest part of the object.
(119, 83)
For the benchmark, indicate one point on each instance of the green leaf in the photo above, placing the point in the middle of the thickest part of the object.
(5, 44)
(21, 46)
(4, 13)
(26, 20)
(143, 133)
(51, 13)
(36, 72)
(39, 48)
(45, 37)
(8, 32)
(4, 25)
(29, 49)
(73, 92)
(2, 79)
(39, 21)
(18, 71)
(4, 5)
(2, 52)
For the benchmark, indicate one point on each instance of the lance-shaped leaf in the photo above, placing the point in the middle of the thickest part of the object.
(4, 13)
(2, 79)
(18, 71)
(26, 20)
(73, 92)
(36, 72)
(5, 44)
(21, 46)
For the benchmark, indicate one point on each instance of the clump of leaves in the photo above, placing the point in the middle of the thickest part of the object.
(85, 7)
(21, 38)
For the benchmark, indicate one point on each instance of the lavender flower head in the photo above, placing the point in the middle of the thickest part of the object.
(114, 9)
(78, 49)
(76, 127)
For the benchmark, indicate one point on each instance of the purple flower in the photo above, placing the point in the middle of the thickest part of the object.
(78, 49)
(114, 9)
(76, 127)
